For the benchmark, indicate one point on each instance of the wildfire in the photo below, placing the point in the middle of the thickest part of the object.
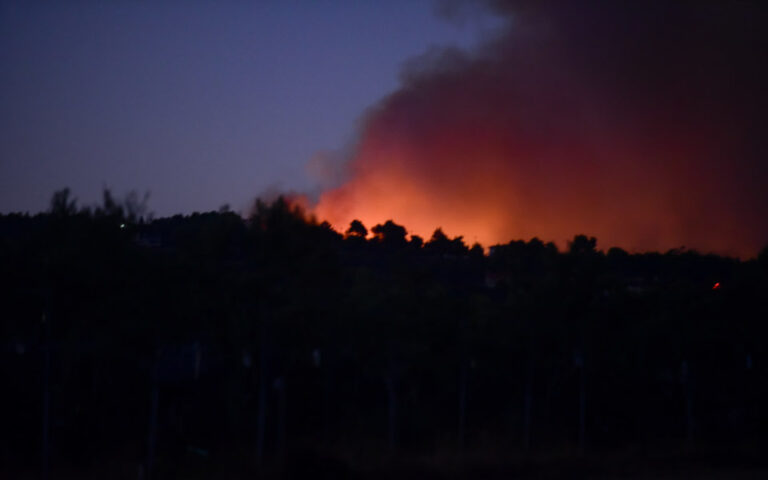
(536, 135)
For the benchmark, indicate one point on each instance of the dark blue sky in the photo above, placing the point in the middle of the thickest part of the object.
(200, 103)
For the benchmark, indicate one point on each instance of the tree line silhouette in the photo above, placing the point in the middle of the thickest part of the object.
(212, 342)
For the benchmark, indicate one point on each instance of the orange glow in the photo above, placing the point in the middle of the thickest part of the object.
(576, 128)
(484, 190)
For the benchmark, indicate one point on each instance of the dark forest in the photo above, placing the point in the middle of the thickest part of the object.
(217, 346)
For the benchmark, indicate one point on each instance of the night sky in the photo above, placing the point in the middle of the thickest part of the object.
(640, 123)
(201, 103)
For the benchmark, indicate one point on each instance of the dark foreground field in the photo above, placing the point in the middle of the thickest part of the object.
(213, 346)
(703, 464)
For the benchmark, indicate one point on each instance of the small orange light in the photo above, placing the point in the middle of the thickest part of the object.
(716, 286)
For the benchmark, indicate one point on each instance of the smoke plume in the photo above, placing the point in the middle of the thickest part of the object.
(640, 123)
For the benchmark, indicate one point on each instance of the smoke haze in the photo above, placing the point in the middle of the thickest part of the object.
(640, 124)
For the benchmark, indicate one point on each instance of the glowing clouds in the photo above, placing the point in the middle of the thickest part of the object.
(572, 124)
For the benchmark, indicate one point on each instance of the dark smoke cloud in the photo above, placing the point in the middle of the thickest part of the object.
(641, 123)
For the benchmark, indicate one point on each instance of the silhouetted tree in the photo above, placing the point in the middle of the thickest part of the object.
(357, 229)
(440, 244)
(390, 234)
(62, 205)
(581, 245)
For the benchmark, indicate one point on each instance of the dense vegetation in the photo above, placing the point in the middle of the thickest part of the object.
(134, 346)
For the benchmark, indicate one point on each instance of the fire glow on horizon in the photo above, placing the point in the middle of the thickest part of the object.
(643, 136)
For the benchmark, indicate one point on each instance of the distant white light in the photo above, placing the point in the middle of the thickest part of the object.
(122, 225)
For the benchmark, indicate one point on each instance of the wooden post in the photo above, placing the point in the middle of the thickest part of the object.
(582, 409)
(463, 381)
(45, 453)
(327, 381)
(685, 378)
(153, 414)
(263, 386)
(528, 395)
(463, 378)
(392, 402)
(281, 410)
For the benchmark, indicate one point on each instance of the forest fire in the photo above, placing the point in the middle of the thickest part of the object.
(565, 125)
(304, 334)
